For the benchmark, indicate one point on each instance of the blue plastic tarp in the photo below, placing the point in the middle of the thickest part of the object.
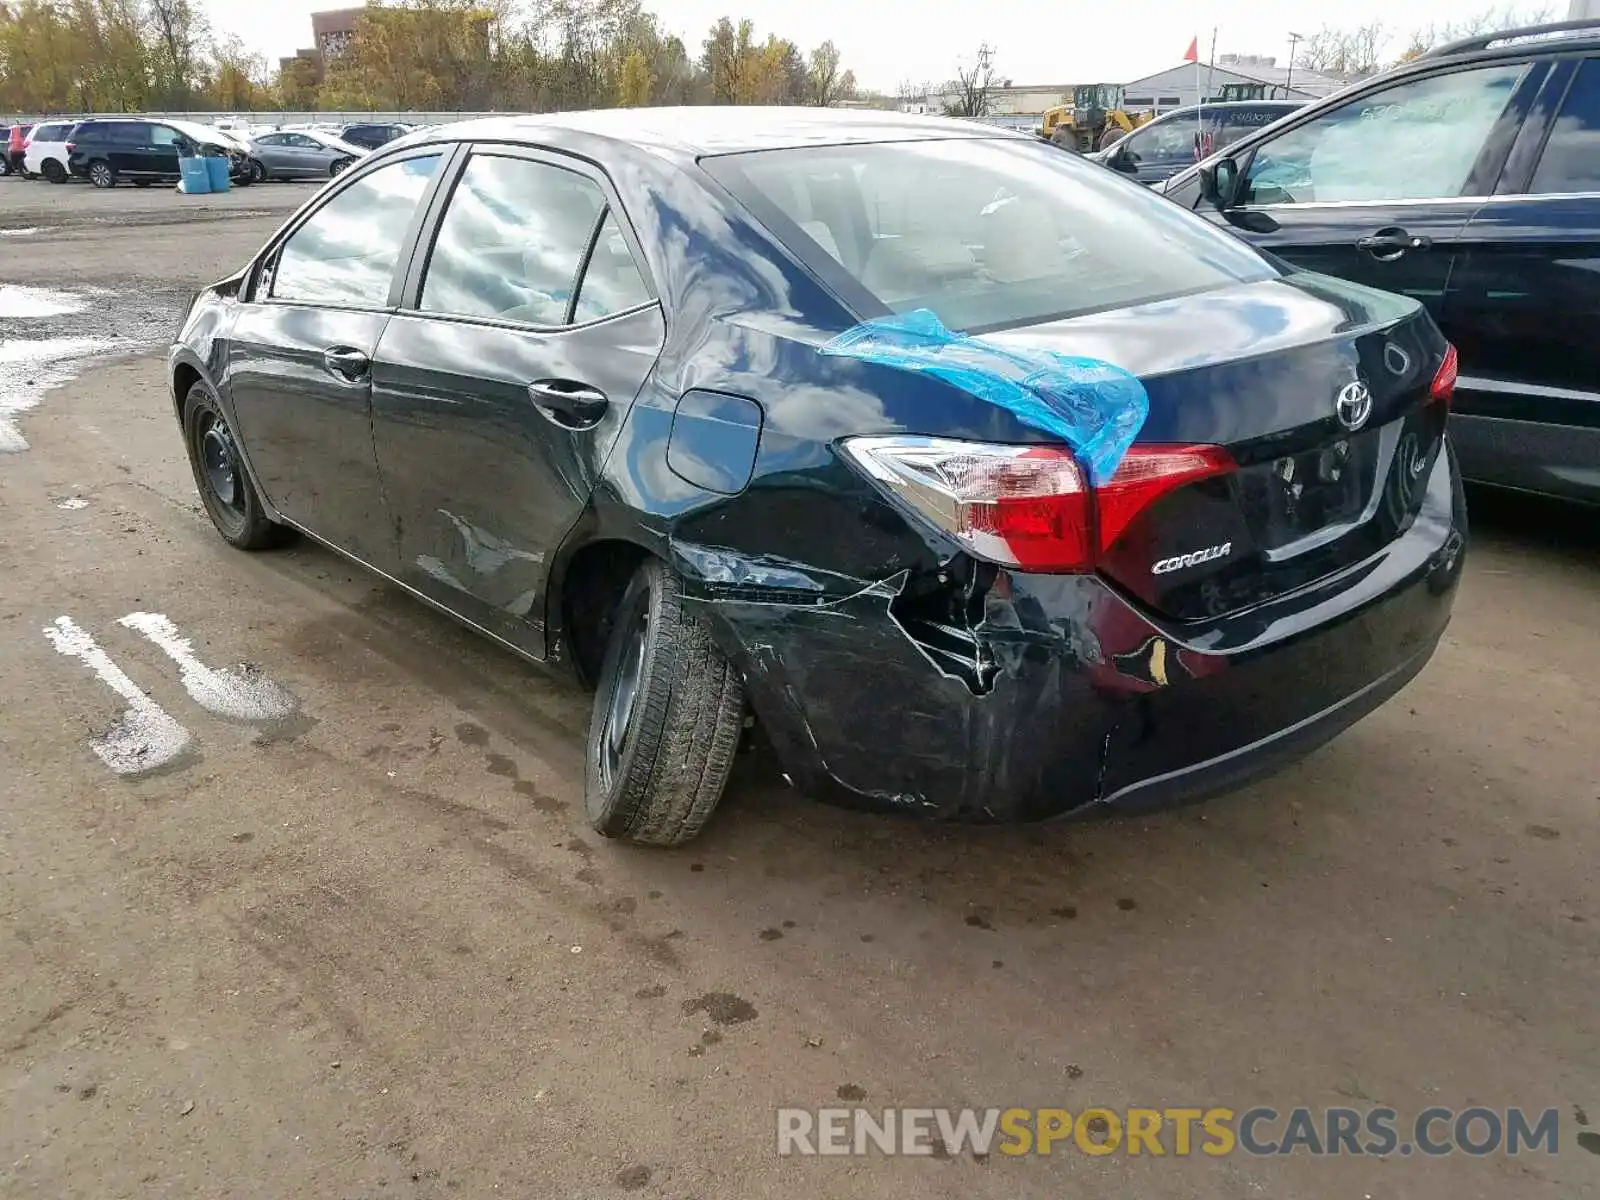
(1097, 408)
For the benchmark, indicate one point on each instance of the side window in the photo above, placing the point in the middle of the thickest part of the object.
(1571, 161)
(611, 282)
(511, 241)
(270, 139)
(346, 252)
(164, 135)
(1170, 139)
(1414, 141)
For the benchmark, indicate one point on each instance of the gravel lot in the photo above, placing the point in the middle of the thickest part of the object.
(370, 949)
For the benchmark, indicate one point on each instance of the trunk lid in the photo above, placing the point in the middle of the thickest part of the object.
(1320, 391)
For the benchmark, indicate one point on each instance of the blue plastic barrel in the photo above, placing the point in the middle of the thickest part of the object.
(217, 169)
(196, 178)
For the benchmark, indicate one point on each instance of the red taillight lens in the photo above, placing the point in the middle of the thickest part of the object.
(1030, 507)
(70, 146)
(1444, 380)
(1147, 473)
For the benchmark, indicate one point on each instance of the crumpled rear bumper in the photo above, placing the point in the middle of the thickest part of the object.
(1088, 700)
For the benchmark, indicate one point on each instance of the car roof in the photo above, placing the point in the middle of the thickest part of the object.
(725, 129)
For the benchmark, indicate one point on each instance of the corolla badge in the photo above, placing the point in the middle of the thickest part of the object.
(1353, 405)
(1193, 559)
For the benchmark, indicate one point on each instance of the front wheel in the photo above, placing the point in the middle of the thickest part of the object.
(101, 175)
(255, 172)
(229, 497)
(337, 166)
(667, 716)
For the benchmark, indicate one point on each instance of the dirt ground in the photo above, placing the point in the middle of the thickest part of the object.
(369, 949)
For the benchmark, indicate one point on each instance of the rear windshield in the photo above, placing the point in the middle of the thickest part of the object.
(985, 232)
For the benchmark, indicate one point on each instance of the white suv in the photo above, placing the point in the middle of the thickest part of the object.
(47, 150)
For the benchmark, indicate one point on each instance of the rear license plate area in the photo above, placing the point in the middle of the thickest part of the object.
(1288, 497)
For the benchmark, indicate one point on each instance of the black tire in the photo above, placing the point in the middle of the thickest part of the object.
(245, 178)
(337, 166)
(101, 174)
(257, 172)
(229, 497)
(53, 171)
(657, 762)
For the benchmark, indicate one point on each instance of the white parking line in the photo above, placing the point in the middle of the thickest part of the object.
(239, 694)
(146, 737)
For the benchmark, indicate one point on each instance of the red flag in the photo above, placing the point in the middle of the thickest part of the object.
(1192, 54)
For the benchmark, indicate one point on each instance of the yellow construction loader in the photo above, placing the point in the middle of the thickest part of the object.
(1095, 118)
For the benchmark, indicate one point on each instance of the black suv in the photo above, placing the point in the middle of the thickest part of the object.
(372, 136)
(144, 152)
(1470, 179)
(1155, 152)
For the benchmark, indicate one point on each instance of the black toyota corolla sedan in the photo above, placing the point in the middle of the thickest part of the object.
(990, 484)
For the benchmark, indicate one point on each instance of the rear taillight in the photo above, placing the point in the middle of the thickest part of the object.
(70, 146)
(1030, 507)
(1444, 380)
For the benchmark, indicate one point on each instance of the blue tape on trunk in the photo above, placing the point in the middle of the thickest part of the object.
(1095, 407)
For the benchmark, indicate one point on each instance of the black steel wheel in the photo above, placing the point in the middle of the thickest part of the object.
(667, 716)
(229, 497)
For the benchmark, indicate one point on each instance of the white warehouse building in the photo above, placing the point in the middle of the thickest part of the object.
(1186, 84)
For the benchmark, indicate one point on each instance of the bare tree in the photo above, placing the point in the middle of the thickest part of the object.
(972, 85)
(825, 75)
(1490, 20)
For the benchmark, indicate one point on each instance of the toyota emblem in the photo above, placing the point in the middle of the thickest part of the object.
(1353, 405)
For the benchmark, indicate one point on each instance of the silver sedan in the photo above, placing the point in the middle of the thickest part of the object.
(300, 154)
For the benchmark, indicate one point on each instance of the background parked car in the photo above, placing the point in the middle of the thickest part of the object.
(372, 136)
(1159, 150)
(1470, 179)
(47, 150)
(140, 152)
(300, 154)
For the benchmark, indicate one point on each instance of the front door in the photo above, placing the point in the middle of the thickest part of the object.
(300, 357)
(1378, 190)
(163, 144)
(498, 394)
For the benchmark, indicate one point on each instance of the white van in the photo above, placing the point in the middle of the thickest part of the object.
(46, 152)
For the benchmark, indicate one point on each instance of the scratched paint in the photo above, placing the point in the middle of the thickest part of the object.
(145, 738)
(239, 693)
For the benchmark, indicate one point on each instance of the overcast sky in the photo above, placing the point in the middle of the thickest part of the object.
(887, 41)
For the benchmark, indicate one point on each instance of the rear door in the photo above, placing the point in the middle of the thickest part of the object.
(499, 389)
(300, 355)
(1524, 305)
(1379, 189)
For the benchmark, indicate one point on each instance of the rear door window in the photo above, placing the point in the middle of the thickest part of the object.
(1571, 159)
(1417, 140)
(513, 239)
(346, 252)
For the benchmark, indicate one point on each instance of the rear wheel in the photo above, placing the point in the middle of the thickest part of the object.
(667, 717)
(229, 497)
(101, 175)
(53, 171)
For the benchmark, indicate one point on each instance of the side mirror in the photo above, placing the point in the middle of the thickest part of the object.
(1219, 182)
